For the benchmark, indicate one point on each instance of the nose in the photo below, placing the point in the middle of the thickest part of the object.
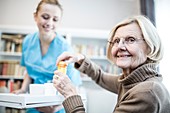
(50, 22)
(121, 43)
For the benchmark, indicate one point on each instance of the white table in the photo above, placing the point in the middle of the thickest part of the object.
(23, 101)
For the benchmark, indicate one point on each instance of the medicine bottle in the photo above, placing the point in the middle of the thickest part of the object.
(62, 67)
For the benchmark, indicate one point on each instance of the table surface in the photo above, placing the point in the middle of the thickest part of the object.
(22, 101)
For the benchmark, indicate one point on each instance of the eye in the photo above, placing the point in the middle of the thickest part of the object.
(55, 19)
(130, 39)
(116, 41)
(45, 16)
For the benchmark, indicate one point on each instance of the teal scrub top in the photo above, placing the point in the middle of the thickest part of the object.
(41, 68)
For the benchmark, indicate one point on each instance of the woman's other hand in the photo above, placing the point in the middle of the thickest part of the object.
(63, 84)
(70, 58)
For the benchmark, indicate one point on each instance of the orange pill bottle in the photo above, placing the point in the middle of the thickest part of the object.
(62, 67)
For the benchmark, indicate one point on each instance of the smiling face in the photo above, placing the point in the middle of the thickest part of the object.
(47, 19)
(129, 56)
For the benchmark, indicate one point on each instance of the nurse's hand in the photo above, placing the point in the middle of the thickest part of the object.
(70, 58)
(63, 84)
(19, 91)
(50, 109)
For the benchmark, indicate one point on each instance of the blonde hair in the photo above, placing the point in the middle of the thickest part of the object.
(53, 2)
(150, 36)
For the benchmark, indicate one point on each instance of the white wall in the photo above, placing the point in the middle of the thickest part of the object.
(163, 24)
(78, 14)
(84, 14)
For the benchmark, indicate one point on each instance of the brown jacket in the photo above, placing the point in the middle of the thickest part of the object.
(141, 91)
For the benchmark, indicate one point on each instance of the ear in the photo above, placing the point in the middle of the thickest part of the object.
(148, 50)
(35, 16)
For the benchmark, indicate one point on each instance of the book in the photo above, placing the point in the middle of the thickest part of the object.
(11, 42)
(4, 68)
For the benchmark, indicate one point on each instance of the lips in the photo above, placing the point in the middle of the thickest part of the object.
(122, 56)
(47, 28)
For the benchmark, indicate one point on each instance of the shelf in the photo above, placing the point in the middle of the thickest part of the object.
(86, 33)
(17, 29)
(8, 77)
(97, 57)
(15, 54)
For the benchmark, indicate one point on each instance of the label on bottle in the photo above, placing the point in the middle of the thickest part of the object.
(62, 67)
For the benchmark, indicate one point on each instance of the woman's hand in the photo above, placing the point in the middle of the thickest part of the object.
(70, 58)
(63, 84)
(50, 109)
(19, 91)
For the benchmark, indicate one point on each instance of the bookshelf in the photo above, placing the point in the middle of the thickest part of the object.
(10, 45)
(10, 53)
(11, 73)
(92, 43)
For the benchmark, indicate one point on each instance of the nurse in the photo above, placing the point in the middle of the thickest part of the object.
(41, 49)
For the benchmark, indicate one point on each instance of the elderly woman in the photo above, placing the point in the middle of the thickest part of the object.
(135, 47)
